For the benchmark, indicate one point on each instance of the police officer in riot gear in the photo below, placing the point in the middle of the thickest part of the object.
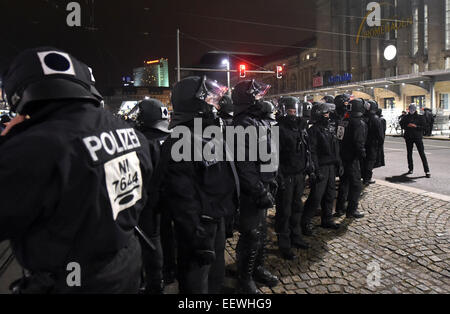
(324, 154)
(294, 163)
(375, 139)
(257, 189)
(352, 151)
(152, 120)
(77, 180)
(200, 191)
(414, 124)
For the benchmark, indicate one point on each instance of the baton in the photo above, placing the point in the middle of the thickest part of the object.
(145, 238)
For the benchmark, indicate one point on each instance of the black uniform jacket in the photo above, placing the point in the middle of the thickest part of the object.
(411, 132)
(74, 181)
(195, 188)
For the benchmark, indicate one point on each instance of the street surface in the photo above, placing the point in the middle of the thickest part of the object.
(401, 246)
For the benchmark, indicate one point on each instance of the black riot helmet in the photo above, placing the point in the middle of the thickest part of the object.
(246, 93)
(328, 99)
(291, 103)
(226, 109)
(373, 106)
(152, 114)
(47, 74)
(318, 111)
(268, 109)
(193, 97)
(357, 108)
(341, 102)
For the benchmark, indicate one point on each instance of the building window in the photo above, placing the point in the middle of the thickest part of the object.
(419, 101)
(389, 103)
(293, 83)
(415, 69)
(444, 101)
(415, 31)
(447, 63)
(425, 29)
(447, 24)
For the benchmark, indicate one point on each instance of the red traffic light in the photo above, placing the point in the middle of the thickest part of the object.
(279, 71)
(242, 69)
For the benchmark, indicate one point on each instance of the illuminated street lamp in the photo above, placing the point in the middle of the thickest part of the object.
(390, 52)
(226, 62)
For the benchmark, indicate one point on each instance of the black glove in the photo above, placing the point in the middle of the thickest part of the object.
(265, 201)
(312, 177)
(273, 186)
(340, 170)
(319, 176)
(281, 182)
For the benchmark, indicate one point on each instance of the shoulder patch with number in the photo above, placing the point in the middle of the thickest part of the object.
(123, 182)
(341, 130)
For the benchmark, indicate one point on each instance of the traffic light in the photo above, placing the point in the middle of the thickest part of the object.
(242, 69)
(280, 71)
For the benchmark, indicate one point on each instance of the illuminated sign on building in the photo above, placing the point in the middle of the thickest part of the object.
(340, 78)
(317, 81)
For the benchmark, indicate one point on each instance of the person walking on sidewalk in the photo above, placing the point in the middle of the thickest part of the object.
(413, 124)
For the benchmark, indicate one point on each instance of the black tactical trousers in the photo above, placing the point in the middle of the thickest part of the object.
(369, 162)
(421, 149)
(323, 193)
(153, 262)
(168, 243)
(350, 188)
(289, 210)
(194, 278)
(150, 222)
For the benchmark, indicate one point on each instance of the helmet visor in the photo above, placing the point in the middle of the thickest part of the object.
(259, 89)
(211, 92)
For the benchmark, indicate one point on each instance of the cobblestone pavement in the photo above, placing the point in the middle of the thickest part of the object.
(403, 235)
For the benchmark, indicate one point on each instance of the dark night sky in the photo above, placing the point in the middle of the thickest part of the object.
(119, 42)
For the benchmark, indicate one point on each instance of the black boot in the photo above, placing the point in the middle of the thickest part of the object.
(155, 288)
(355, 214)
(307, 229)
(300, 244)
(263, 276)
(287, 254)
(330, 224)
(245, 259)
(339, 213)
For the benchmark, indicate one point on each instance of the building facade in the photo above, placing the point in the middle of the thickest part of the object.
(155, 73)
(352, 41)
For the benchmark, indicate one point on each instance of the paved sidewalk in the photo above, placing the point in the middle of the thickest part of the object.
(405, 235)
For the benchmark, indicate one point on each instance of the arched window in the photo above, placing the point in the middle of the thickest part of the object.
(293, 83)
